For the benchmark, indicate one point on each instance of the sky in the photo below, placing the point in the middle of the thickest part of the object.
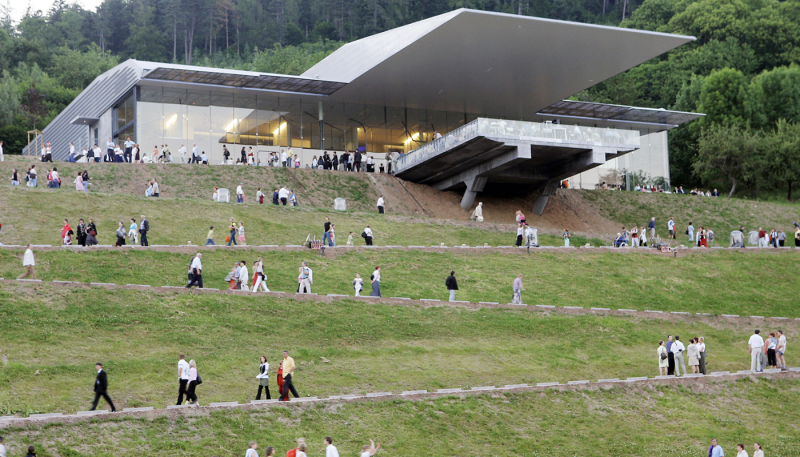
(20, 6)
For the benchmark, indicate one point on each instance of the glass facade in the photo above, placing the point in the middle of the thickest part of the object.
(269, 121)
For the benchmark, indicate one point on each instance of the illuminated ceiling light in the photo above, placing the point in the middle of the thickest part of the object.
(277, 130)
(230, 126)
(171, 120)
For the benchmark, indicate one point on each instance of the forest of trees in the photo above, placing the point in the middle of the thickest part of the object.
(742, 70)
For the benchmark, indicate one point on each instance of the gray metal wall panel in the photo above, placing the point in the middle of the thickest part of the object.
(95, 100)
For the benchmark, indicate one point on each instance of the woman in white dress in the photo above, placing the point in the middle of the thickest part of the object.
(663, 358)
(301, 450)
(758, 451)
(693, 353)
(260, 279)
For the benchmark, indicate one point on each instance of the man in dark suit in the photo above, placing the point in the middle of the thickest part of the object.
(144, 227)
(100, 388)
(357, 161)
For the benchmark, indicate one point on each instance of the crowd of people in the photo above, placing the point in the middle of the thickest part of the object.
(302, 449)
(85, 234)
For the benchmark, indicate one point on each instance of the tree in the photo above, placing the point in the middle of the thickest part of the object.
(33, 105)
(9, 99)
(783, 157)
(76, 70)
(775, 94)
(145, 42)
(729, 152)
(724, 96)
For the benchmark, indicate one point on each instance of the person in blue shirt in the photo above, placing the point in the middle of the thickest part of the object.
(715, 450)
(652, 227)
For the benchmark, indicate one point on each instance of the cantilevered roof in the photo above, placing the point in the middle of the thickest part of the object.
(589, 110)
(247, 80)
(500, 65)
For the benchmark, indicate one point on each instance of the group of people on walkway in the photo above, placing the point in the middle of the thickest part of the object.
(767, 354)
(671, 356)
(302, 449)
(86, 233)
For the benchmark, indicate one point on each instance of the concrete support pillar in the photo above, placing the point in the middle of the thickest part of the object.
(544, 195)
(474, 185)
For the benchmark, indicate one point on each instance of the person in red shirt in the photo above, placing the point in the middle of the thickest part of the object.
(64, 231)
(293, 452)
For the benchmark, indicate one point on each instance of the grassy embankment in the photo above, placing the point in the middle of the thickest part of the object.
(632, 421)
(722, 214)
(37, 215)
(745, 283)
(54, 335)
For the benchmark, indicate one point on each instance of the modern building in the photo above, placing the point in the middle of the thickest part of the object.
(493, 86)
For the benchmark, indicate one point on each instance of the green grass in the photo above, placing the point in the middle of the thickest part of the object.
(52, 336)
(37, 215)
(745, 283)
(722, 215)
(631, 421)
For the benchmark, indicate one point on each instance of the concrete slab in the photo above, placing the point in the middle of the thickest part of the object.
(378, 394)
(137, 285)
(413, 392)
(693, 375)
(573, 307)
(637, 378)
(651, 311)
(488, 303)
(601, 309)
(304, 399)
(400, 298)
(40, 416)
(8, 418)
(574, 383)
(92, 413)
(449, 391)
(516, 304)
(102, 284)
(179, 406)
(481, 388)
(794, 369)
(514, 386)
(545, 306)
(729, 315)
(627, 310)
(428, 299)
(609, 380)
(223, 403)
(547, 384)
(30, 280)
(344, 397)
(757, 317)
(745, 372)
(664, 377)
(337, 295)
(720, 373)
(780, 318)
(678, 312)
(772, 370)
(418, 247)
(144, 408)
(263, 402)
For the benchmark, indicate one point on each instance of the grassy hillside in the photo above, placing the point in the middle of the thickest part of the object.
(37, 215)
(625, 420)
(722, 214)
(53, 336)
(747, 283)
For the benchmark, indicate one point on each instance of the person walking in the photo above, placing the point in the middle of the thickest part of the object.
(332, 236)
(358, 284)
(240, 193)
(663, 363)
(701, 348)
(81, 232)
(477, 215)
(144, 227)
(243, 275)
(670, 357)
(196, 272)
(326, 235)
(193, 381)
(133, 232)
(757, 451)
(780, 350)
(690, 231)
(210, 237)
(241, 234)
(740, 452)
(31, 451)
(520, 230)
(29, 263)
(652, 226)
(671, 228)
(367, 236)
(263, 378)
(772, 343)
(516, 298)
(120, 234)
(183, 378)
(260, 278)
(755, 346)
(381, 205)
(101, 388)
(79, 182)
(287, 367)
(566, 236)
(677, 350)
(251, 449)
(15, 177)
(232, 234)
(715, 450)
(368, 450)
(376, 282)
(452, 285)
(305, 279)
(66, 238)
(694, 356)
(330, 449)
